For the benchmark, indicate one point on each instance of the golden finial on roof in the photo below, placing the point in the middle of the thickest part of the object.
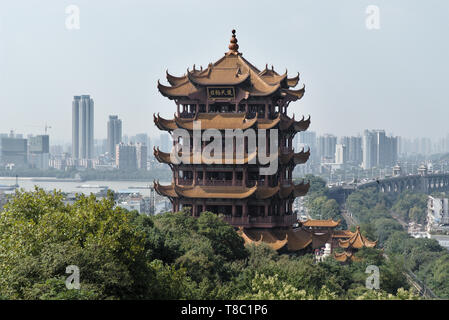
(233, 46)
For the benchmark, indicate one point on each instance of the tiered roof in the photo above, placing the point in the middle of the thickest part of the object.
(233, 70)
(321, 223)
(293, 239)
(284, 159)
(345, 256)
(222, 121)
(231, 192)
(356, 241)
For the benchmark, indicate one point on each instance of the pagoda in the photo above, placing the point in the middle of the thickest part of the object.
(234, 94)
(351, 245)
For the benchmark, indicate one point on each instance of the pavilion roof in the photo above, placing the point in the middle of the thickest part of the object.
(342, 234)
(222, 121)
(293, 239)
(232, 70)
(284, 158)
(356, 241)
(164, 157)
(297, 158)
(321, 223)
(230, 192)
(258, 236)
(345, 256)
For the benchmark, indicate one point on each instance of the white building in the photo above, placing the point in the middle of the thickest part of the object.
(82, 127)
(437, 214)
(340, 154)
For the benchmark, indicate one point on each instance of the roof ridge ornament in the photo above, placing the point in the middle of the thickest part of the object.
(233, 46)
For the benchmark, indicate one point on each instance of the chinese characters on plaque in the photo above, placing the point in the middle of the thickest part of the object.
(220, 92)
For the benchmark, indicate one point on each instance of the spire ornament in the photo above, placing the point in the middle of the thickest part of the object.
(233, 46)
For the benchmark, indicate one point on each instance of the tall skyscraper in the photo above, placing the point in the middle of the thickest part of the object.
(125, 156)
(141, 155)
(14, 151)
(307, 139)
(379, 150)
(354, 154)
(326, 147)
(369, 147)
(82, 127)
(165, 141)
(114, 134)
(39, 151)
(340, 154)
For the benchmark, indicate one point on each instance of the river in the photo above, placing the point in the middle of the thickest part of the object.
(85, 187)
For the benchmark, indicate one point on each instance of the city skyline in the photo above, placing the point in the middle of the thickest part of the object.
(342, 87)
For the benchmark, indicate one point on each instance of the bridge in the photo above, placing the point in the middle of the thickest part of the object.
(423, 182)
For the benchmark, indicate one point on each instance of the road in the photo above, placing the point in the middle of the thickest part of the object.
(349, 218)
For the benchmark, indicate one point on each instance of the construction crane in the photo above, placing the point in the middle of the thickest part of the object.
(47, 127)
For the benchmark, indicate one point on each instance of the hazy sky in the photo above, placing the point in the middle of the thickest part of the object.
(394, 78)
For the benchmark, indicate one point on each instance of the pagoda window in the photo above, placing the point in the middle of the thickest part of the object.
(202, 108)
(238, 211)
(239, 176)
(242, 108)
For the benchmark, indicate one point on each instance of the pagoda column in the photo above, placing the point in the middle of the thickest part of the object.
(195, 176)
(244, 176)
(233, 177)
(267, 143)
(266, 209)
(290, 143)
(246, 107)
(283, 207)
(233, 209)
(204, 176)
(193, 209)
(266, 181)
(197, 108)
(245, 209)
(290, 173)
(266, 110)
(177, 109)
(204, 205)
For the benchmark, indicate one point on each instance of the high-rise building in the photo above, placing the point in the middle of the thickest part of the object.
(354, 153)
(114, 134)
(165, 142)
(141, 155)
(39, 151)
(141, 138)
(307, 139)
(340, 154)
(14, 151)
(369, 147)
(83, 127)
(125, 156)
(379, 150)
(326, 147)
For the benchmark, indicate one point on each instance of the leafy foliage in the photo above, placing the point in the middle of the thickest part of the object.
(124, 255)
